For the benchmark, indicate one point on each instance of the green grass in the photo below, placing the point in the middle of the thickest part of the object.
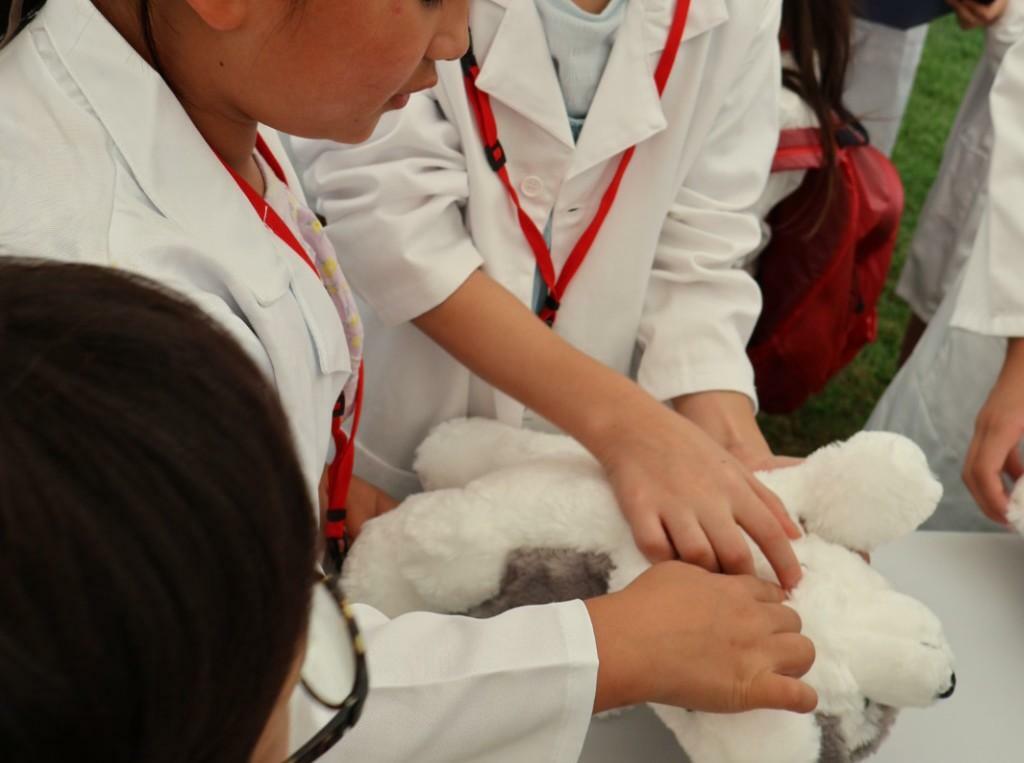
(844, 405)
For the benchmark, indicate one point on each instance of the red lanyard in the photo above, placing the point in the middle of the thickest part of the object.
(340, 476)
(496, 157)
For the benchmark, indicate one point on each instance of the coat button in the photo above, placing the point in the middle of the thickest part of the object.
(532, 186)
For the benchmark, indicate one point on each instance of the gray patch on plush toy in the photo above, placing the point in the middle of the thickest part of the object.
(836, 749)
(547, 575)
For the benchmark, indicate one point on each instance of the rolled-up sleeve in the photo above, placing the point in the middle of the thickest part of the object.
(701, 307)
(446, 689)
(394, 208)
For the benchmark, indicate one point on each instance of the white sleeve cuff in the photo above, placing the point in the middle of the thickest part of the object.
(667, 382)
(449, 689)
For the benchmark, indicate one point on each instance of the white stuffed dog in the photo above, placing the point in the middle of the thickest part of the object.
(516, 517)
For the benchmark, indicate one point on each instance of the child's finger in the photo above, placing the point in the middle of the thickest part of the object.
(962, 17)
(690, 541)
(987, 14)
(729, 545)
(652, 539)
(766, 532)
(1013, 468)
(785, 620)
(778, 509)
(967, 16)
(763, 591)
(985, 471)
(794, 654)
(770, 690)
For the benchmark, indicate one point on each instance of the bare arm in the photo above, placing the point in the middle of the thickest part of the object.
(680, 491)
(998, 430)
(728, 417)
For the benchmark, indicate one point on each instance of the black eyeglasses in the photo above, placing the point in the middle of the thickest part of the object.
(334, 669)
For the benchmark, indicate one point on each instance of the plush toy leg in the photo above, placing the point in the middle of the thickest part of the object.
(372, 575)
(442, 552)
(448, 550)
(462, 450)
(855, 735)
(760, 736)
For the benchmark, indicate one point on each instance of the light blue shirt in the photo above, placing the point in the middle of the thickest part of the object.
(580, 43)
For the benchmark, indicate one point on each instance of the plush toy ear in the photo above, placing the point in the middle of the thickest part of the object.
(1016, 512)
(874, 487)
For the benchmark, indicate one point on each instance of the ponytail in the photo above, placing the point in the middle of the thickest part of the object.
(819, 34)
(14, 14)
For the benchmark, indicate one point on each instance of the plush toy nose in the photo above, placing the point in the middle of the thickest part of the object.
(952, 687)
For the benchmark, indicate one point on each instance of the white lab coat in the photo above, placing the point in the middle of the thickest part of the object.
(419, 209)
(949, 220)
(101, 164)
(883, 66)
(936, 396)
(794, 114)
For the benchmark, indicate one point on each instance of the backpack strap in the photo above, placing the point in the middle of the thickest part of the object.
(800, 148)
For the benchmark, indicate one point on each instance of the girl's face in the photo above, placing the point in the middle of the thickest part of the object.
(331, 68)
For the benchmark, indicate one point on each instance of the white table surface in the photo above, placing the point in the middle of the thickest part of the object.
(974, 582)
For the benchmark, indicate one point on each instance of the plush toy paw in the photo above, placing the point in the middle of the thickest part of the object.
(855, 735)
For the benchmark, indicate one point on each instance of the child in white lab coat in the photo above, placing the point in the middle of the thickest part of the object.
(948, 224)
(881, 77)
(135, 141)
(157, 585)
(959, 394)
(885, 62)
(454, 277)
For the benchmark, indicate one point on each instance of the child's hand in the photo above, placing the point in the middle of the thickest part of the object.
(678, 488)
(768, 463)
(685, 496)
(972, 15)
(365, 501)
(680, 636)
(997, 434)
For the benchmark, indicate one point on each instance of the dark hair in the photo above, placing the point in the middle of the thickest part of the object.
(818, 33)
(14, 14)
(157, 536)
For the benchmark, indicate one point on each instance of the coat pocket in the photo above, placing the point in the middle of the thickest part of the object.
(323, 324)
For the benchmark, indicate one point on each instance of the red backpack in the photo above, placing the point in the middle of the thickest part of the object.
(821, 280)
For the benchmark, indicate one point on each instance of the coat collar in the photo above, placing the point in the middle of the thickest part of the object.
(170, 160)
(517, 70)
